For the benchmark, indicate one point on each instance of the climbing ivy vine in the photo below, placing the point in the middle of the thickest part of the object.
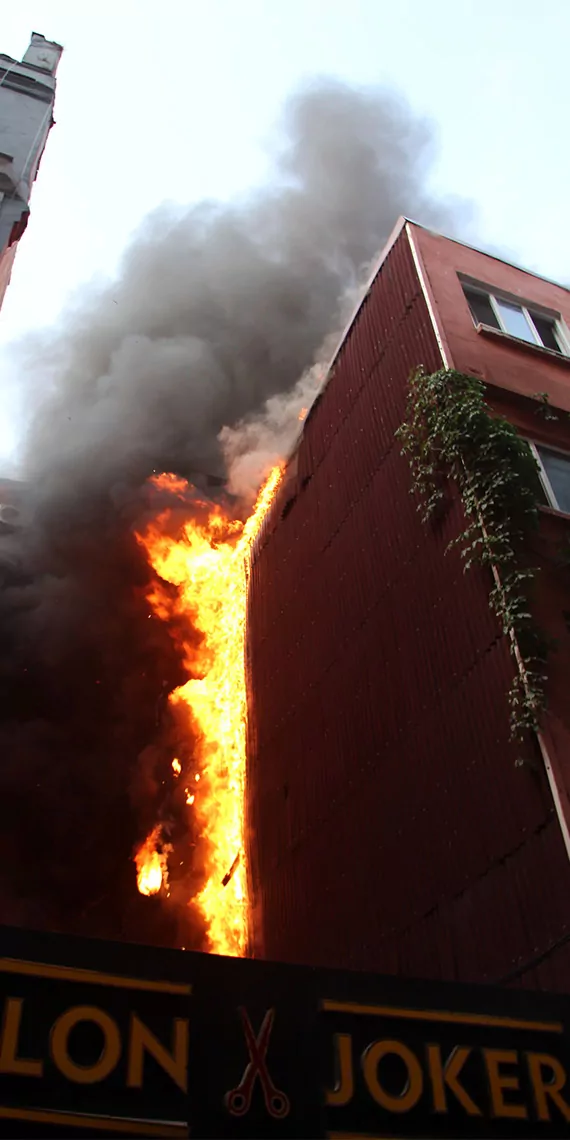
(449, 432)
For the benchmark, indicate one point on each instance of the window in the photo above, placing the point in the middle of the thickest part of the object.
(515, 321)
(513, 317)
(555, 476)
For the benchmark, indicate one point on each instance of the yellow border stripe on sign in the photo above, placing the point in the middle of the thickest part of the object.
(449, 1016)
(112, 1124)
(89, 977)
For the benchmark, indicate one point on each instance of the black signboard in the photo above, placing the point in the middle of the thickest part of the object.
(100, 1039)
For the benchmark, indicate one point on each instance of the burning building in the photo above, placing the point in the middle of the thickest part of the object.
(153, 418)
(372, 811)
(391, 823)
(395, 826)
(27, 96)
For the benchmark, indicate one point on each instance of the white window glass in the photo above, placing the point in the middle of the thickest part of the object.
(557, 468)
(514, 320)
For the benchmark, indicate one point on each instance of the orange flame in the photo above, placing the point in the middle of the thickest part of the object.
(169, 482)
(303, 414)
(208, 565)
(151, 865)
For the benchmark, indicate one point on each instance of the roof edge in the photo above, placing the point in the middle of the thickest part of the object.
(377, 265)
(401, 223)
(400, 226)
(485, 253)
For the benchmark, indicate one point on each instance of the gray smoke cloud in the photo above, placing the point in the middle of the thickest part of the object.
(218, 308)
(196, 359)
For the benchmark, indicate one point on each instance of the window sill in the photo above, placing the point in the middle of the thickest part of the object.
(549, 353)
(554, 512)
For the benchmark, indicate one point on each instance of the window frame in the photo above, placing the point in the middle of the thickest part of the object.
(547, 487)
(526, 308)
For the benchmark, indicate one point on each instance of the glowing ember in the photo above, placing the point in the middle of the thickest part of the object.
(303, 413)
(176, 767)
(168, 482)
(208, 565)
(151, 865)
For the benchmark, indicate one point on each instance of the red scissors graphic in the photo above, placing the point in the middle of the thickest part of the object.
(238, 1100)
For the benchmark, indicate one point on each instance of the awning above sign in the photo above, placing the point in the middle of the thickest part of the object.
(106, 1039)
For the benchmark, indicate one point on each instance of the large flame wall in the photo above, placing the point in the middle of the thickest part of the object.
(202, 566)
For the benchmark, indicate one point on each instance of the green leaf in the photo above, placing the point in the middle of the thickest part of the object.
(450, 434)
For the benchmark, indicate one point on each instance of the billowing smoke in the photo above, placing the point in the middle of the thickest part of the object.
(216, 310)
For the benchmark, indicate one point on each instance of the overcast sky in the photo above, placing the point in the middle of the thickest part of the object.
(175, 100)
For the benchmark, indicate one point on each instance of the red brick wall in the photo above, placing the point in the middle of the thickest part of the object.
(390, 827)
(550, 555)
(497, 359)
